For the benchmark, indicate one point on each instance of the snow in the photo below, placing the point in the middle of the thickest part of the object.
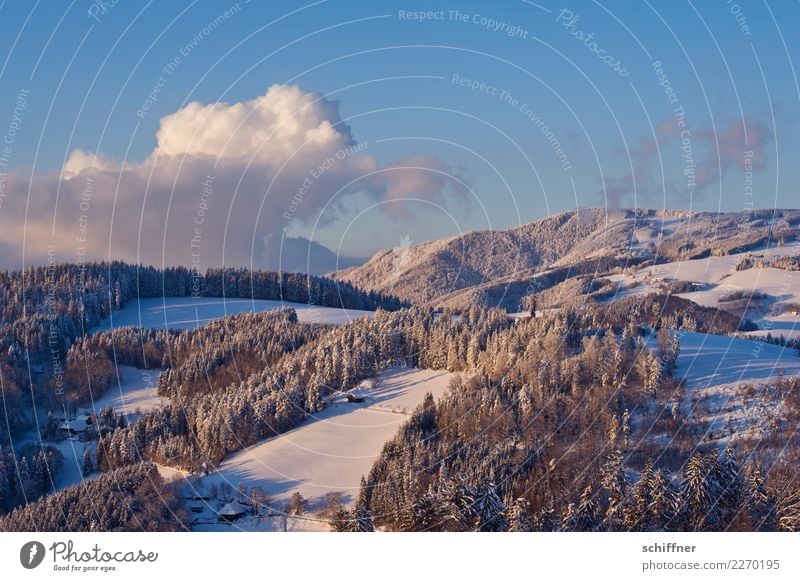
(72, 470)
(730, 392)
(264, 524)
(711, 360)
(136, 391)
(713, 268)
(717, 276)
(232, 509)
(193, 312)
(527, 314)
(170, 474)
(331, 451)
(783, 285)
(785, 325)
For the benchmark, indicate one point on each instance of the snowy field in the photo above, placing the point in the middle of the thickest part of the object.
(72, 470)
(135, 392)
(717, 275)
(709, 360)
(711, 269)
(193, 312)
(330, 452)
(728, 391)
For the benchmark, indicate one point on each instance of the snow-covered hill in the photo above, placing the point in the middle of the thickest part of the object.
(731, 387)
(495, 268)
(765, 295)
(331, 451)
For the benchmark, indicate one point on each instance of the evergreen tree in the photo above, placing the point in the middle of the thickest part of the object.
(732, 487)
(423, 514)
(488, 509)
(615, 483)
(88, 463)
(760, 504)
(519, 520)
(699, 494)
(585, 518)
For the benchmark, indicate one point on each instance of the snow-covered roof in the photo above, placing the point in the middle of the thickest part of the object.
(76, 425)
(232, 509)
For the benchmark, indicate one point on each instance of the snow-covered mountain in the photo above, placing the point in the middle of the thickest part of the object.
(499, 268)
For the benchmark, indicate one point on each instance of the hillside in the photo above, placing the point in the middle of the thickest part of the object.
(498, 268)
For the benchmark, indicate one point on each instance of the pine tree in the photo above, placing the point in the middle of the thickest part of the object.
(676, 350)
(585, 518)
(423, 514)
(731, 485)
(488, 509)
(24, 473)
(761, 506)
(518, 517)
(654, 375)
(636, 514)
(615, 483)
(663, 504)
(568, 518)
(88, 463)
(700, 493)
(457, 502)
(625, 429)
(363, 519)
(342, 520)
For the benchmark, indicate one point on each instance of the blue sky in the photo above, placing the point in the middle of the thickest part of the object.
(552, 127)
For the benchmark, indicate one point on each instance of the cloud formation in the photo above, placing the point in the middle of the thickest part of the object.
(705, 157)
(221, 182)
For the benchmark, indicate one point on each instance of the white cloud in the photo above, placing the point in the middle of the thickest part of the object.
(218, 183)
(270, 128)
(80, 160)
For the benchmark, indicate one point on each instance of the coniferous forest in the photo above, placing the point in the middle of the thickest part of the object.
(564, 420)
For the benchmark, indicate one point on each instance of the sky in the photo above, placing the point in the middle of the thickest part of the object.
(210, 133)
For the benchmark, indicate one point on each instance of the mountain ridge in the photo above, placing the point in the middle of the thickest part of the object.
(475, 266)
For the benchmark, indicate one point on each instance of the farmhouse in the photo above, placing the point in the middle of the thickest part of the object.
(232, 511)
(76, 426)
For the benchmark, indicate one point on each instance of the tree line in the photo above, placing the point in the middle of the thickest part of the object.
(133, 498)
(45, 309)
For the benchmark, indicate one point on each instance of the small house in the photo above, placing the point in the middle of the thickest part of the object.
(75, 427)
(232, 511)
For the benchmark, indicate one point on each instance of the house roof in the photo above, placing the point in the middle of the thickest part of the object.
(76, 425)
(232, 509)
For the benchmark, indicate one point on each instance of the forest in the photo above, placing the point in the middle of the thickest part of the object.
(564, 421)
(46, 313)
